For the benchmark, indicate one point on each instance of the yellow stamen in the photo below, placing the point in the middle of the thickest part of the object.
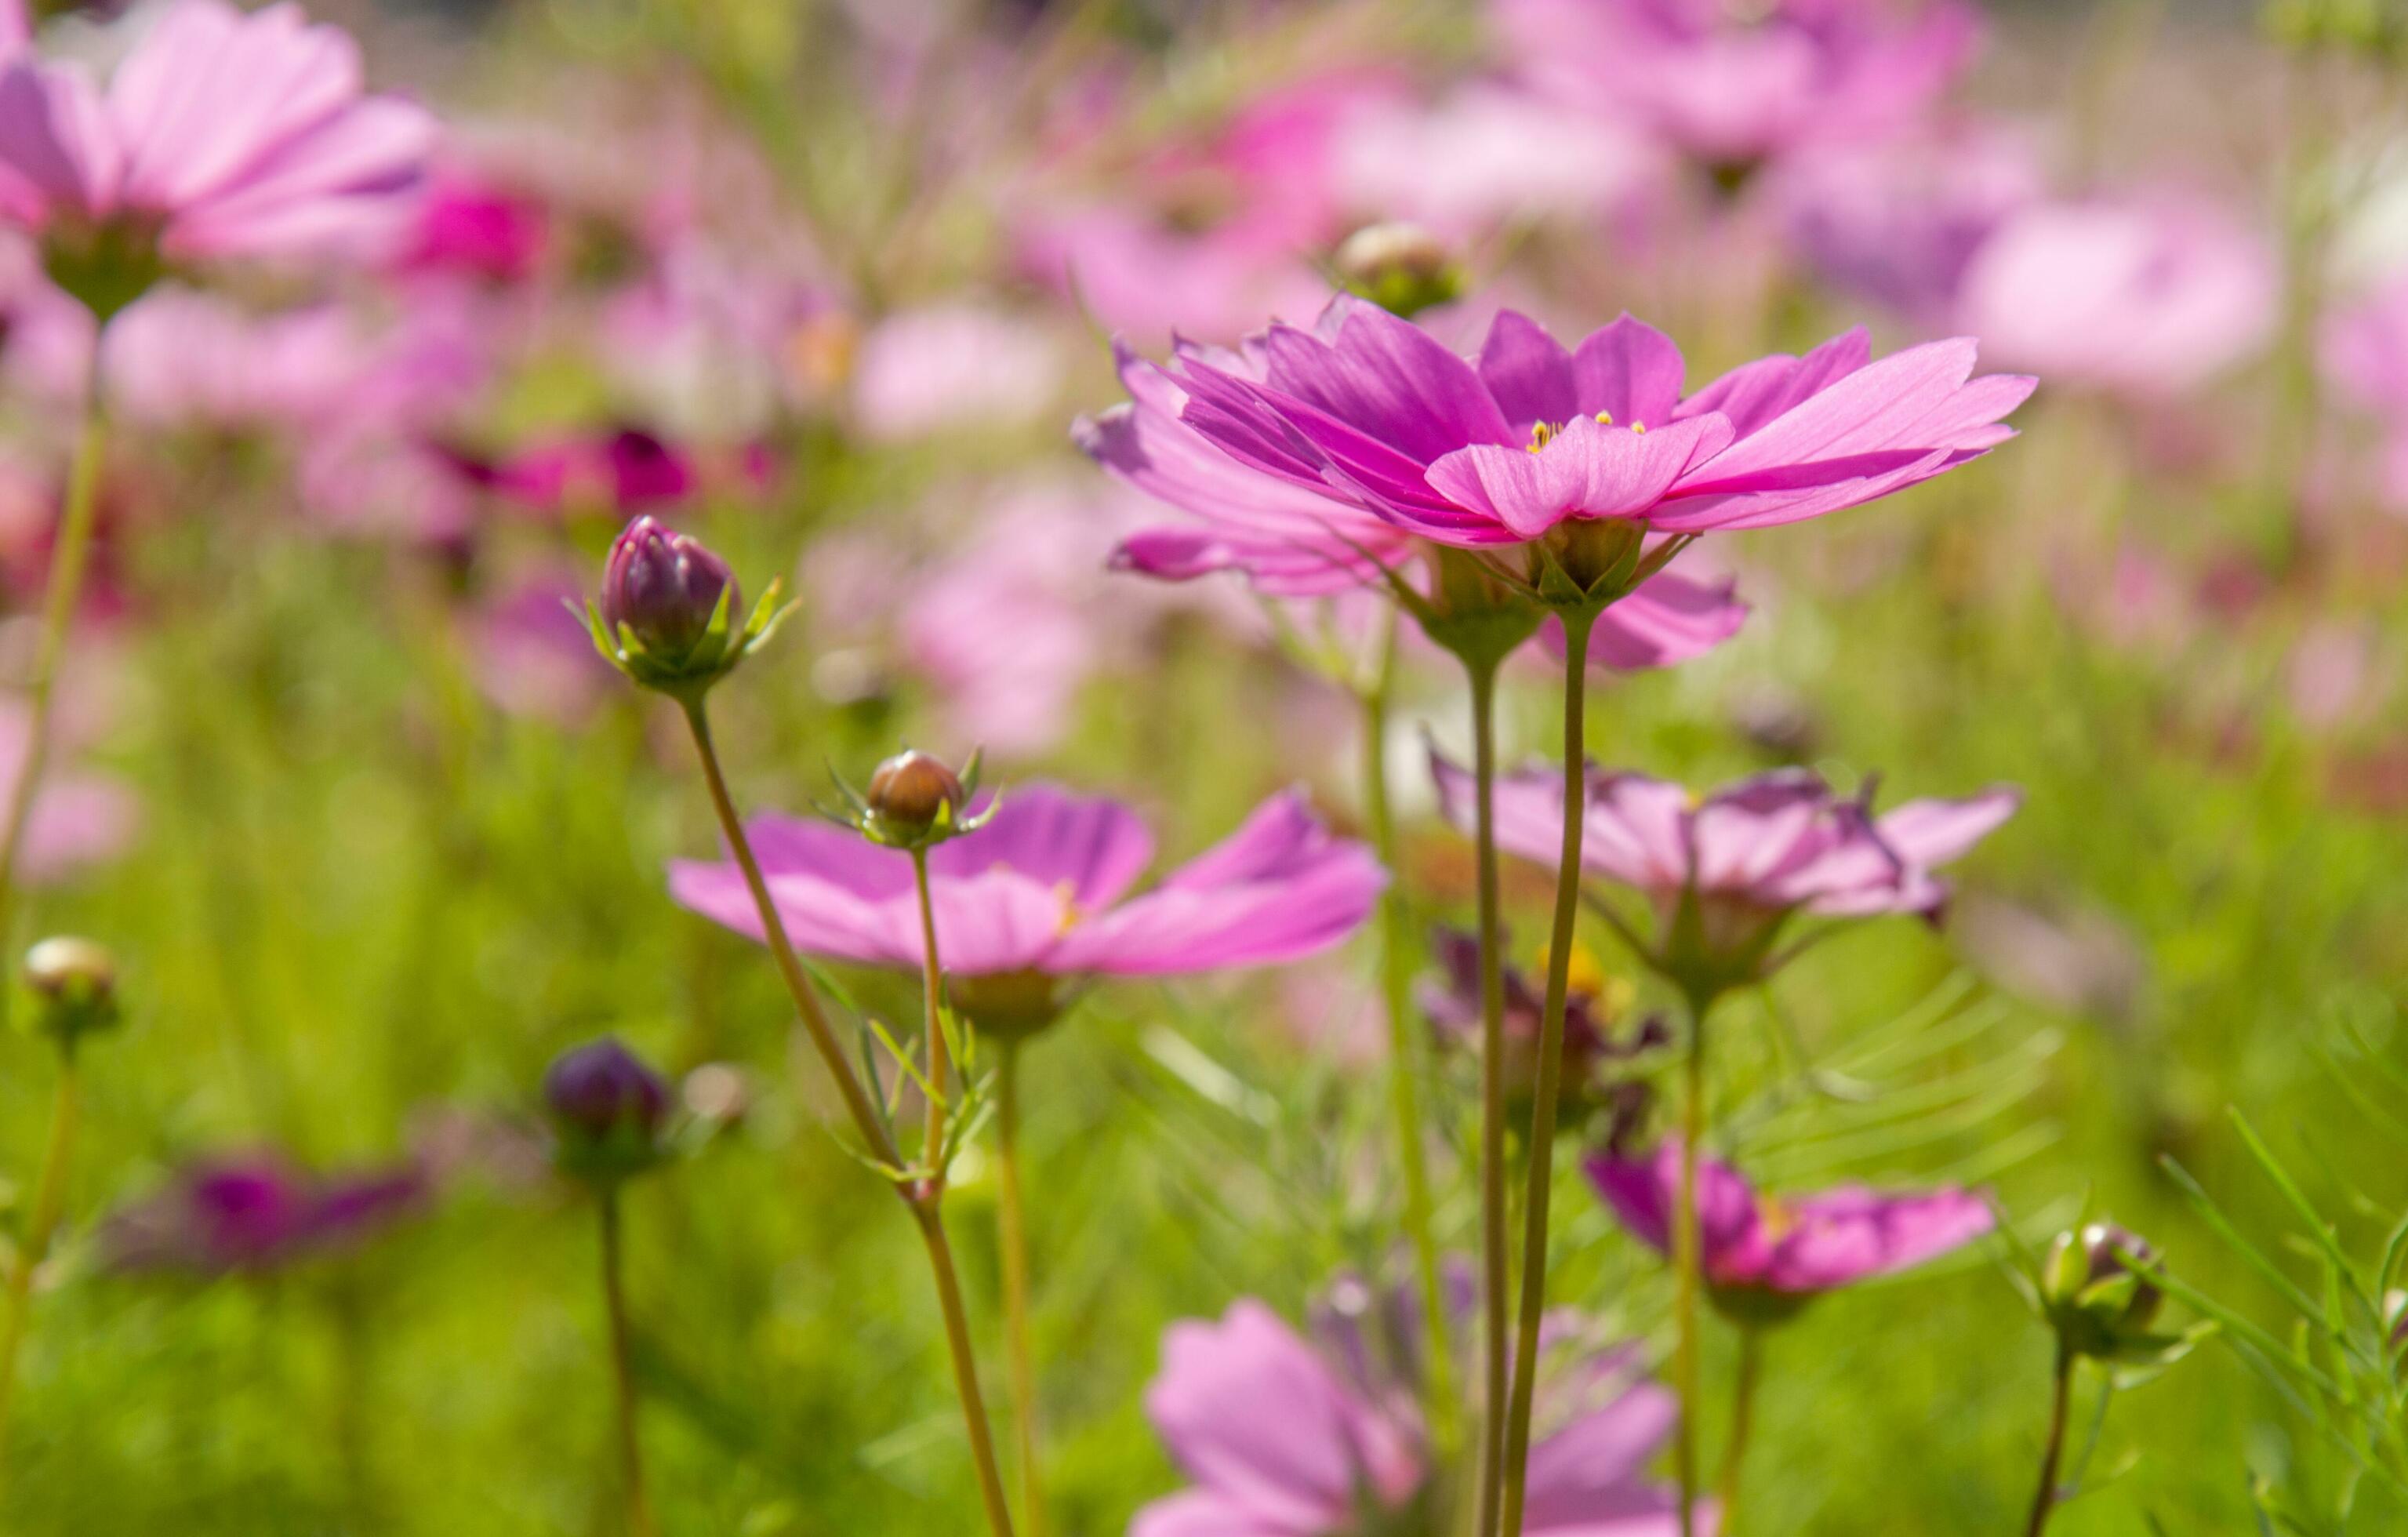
(1605, 419)
(1639, 427)
(1542, 433)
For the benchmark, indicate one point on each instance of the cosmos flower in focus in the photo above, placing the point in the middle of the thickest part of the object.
(1732, 87)
(1280, 1439)
(1787, 1245)
(219, 133)
(1038, 899)
(1723, 875)
(256, 1213)
(1587, 449)
(2147, 299)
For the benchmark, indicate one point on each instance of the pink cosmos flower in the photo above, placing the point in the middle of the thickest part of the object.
(2364, 352)
(78, 819)
(471, 226)
(1898, 222)
(1462, 166)
(953, 367)
(1733, 86)
(1041, 894)
(257, 1214)
(181, 358)
(532, 656)
(2149, 299)
(1792, 1246)
(1291, 541)
(1280, 1443)
(1724, 875)
(616, 473)
(1370, 415)
(221, 133)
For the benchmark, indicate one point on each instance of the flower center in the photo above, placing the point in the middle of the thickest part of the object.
(1543, 432)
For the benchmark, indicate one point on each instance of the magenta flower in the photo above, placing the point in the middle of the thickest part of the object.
(1733, 86)
(219, 133)
(1039, 898)
(1281, 1444)
(1755, 1243)
(1291, 540)
(257, 1214)
(1724, 875)
(467, 224)
(1370, 415)
(2146, 298)
(610, 474)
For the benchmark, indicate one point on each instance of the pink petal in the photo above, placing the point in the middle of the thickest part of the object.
(55, 142)
(1587, 470)
(1093, 847)
(1630, 370)
(1934, 832)
(1389, 378)
(1527, 372)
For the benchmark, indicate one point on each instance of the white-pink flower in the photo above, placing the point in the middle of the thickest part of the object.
(221, 133)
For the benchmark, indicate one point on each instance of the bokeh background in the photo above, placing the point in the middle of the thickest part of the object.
(375, 835)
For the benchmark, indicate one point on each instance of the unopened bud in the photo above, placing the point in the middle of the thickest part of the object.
(607, 1107)
(664, 588)
(2099, 1299)
(1401, 267)
(913, 790)
(75, 981)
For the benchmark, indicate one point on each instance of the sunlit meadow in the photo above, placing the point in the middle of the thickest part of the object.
(787, 768)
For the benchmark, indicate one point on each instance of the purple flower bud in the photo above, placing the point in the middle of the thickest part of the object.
(600, 1088)
(911, 790)
(607, 1109)
(664, 587)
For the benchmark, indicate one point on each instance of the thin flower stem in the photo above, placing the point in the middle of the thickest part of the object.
(1541, 1150)
(623, 1374)
(1743, 1423)
(2060, 1404)
(1493, 1274)
(70, 554)
(866, 1120)
(932, 1145)
(965, 1383)
(49, 1200)
(1012, 1219)
(1404, 1056)
(1687, 1261)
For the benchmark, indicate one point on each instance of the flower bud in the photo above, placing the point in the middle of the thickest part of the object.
(664, 587)
(1401, 267)
(2100, 1302)
(913, 791)
(607, 1108)
(75, 983)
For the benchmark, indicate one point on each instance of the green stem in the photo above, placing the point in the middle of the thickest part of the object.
(965, 1383)
(49, 1200)
(932, 1143)
(1687, 1262)
(1012, 1219)
(1542, 1150)
(866, 1120)
(1751, 1369)
(1493, 1275)
(1404, 1056)
(70, 554)
(2060, 1404)
(623, 1374)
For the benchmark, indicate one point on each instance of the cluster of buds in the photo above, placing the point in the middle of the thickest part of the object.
(915, 802)
(74, 984)
(667, 616)
(2095, 1288)
(609, 1111)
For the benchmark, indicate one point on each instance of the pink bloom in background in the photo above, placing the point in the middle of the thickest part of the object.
(1730, 86)
(1797, 1244)
(1723, 874)
(1043, 890)
(470, 225)
(229, 133)
(257, 1214)
(533, 657)
(78, 819)
(954, 368)
(1279, 1442)
(1373, 415)
(614, 473)
(181, 358)
(2364, 352)
(1464, 165)
(2146, 300)
(1898, 222)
